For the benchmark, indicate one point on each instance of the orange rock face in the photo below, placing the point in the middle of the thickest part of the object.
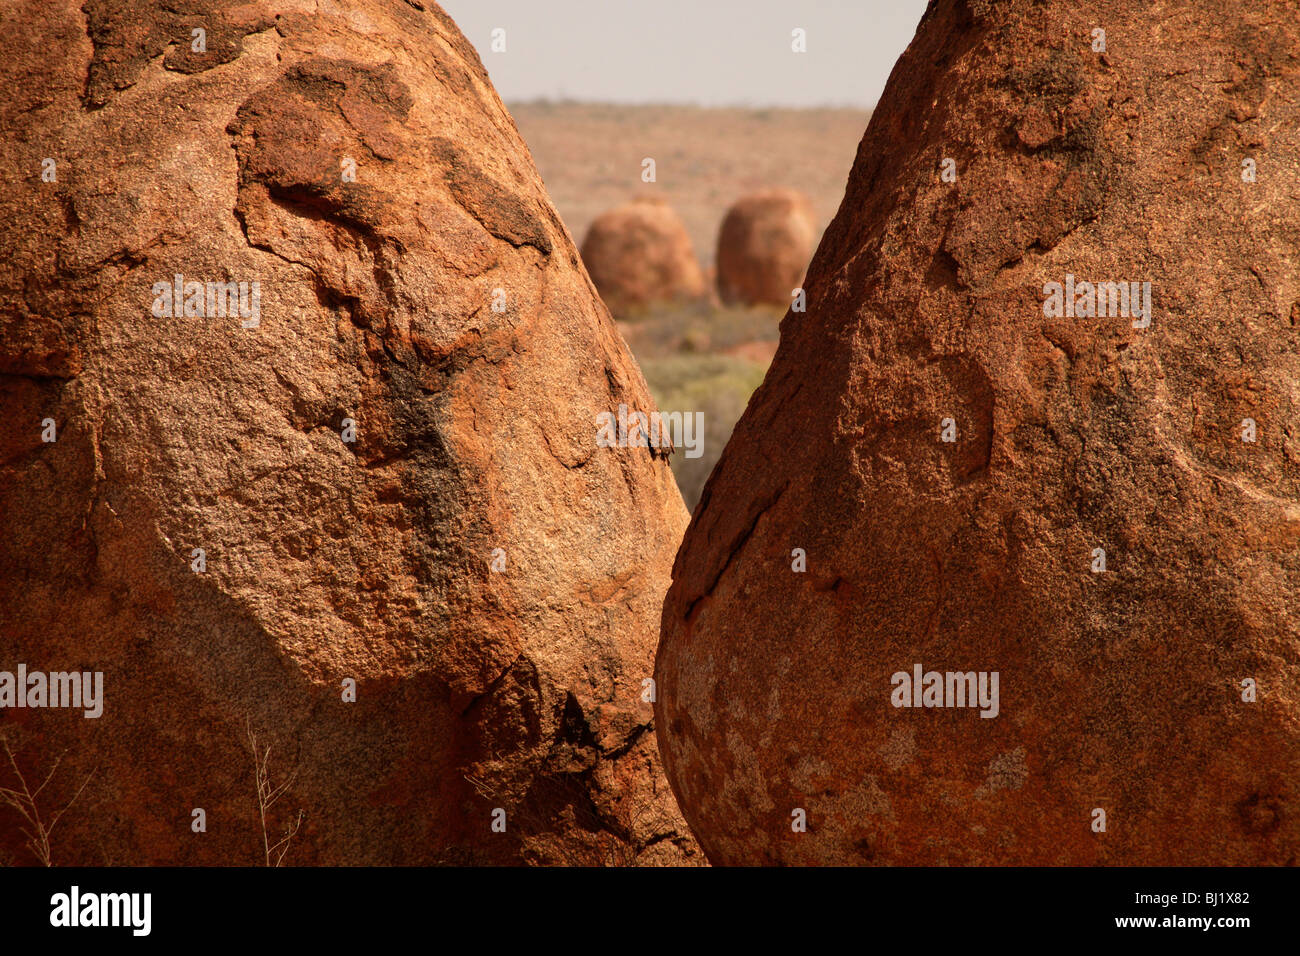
(764, 246)
(1039, 424)
(352, 502)
(639, 254)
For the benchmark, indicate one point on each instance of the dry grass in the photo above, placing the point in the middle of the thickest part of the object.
(38, 827)
(701, 358)
(268, 794)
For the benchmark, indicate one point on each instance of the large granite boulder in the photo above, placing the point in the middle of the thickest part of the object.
(1039, 421)
(322, 372)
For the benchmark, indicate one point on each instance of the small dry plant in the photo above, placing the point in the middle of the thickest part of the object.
(38, 828)
(267, 795)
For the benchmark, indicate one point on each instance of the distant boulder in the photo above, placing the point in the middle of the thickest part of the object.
(764, 246)
(640, 253)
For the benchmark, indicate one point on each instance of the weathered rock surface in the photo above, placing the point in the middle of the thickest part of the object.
(639, 254)
(325, 560)
(764, 246)
(1120, 691)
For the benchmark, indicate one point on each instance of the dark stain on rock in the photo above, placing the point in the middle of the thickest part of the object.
(127, 34)
(499, 211)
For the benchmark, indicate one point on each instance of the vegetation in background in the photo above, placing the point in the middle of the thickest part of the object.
(700, 358)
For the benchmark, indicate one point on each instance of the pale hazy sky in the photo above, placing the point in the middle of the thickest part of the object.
(706, 52)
